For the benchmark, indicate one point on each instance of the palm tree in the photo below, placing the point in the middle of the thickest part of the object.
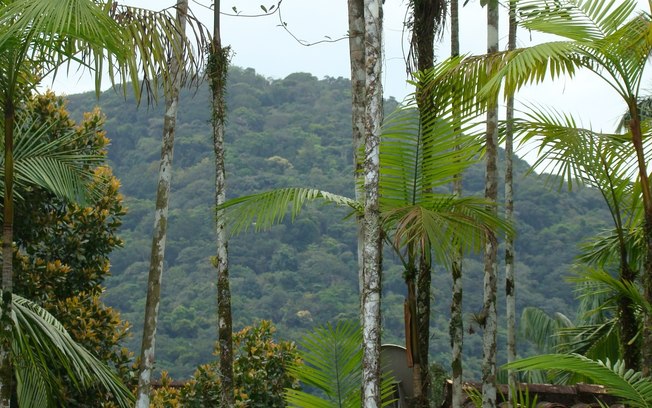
(36, 38)
(36, 34)
(159, 235)
(581, 156)
(426, 23)
(416, 217)
(331, 360)
(604, 37)
(593, 332)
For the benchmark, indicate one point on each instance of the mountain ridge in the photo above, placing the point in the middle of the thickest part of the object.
(295, 132)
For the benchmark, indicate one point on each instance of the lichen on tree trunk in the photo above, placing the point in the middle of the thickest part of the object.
(489, 315)
(358, 108)
(159, 235)
(372, 228)
(510, 277)
(217, 70)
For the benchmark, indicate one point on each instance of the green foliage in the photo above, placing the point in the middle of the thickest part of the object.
(438, 377)
(261, 374)
(331, 368)
(332, 360)
(634, 389)
(46, 356)
(303, 273)
(62, 251)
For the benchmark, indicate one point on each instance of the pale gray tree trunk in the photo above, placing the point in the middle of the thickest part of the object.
(358, 107)
(218, 68)
(489, 315)
(373, 18)
(457, 321)
(510, 281)
(157, 256)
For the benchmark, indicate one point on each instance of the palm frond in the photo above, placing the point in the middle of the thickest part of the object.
(264, 210)
(576, 155)
(634, 389)
(581, 20)
(40, 338)
(440, 221)
(614, 286)
(58, 165)
(332, 360)
(419, 154)
(153, 35)
(332, 363)
(606, 248)
(50, 32)
(543, 330)
(598, 340)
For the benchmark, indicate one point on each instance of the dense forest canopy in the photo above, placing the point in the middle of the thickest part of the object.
(296, 132)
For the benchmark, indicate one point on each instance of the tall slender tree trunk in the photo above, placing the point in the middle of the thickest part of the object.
(358, 107)
(489, 314)
(373, 17)
(637, 140)
(428, 15)
(218, 68)
(412, 325)
(424, 279)
(630, 344)
(510, 281)
(456, 327)
(157, 256)
(7, 382)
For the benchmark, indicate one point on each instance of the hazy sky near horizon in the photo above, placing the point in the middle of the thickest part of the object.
(261, 43)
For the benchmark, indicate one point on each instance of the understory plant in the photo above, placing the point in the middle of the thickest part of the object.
(261, 374)
(331, 369)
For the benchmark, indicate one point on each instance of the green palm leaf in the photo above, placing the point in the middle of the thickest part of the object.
(264, 210)
(40, 338)
(630, 386)
(420, 155)
(332, 364)
(50, 32)
(59, 165)
(414, 163)
(148, 33)
(581, 20)
(605, 39)
(442, 221)
(332, 358)
(576, 154)
(603, 249)
(542, 329)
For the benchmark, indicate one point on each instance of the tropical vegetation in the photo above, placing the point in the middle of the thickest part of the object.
(300, 272)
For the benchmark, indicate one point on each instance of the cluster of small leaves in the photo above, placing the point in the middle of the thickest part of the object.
(260, 373)
(62, 250)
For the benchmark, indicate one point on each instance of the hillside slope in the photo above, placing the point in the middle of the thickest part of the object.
(294, 132)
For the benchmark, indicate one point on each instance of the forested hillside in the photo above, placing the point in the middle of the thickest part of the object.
(295, 132)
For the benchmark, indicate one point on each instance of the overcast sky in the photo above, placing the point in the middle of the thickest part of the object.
(260, 43)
